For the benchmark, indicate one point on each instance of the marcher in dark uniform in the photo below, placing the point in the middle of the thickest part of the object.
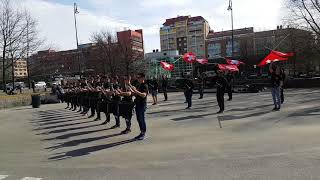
(164, 86)
(115, 87)
(141, 94)
(283, 78)
(221, 84)
(94, 96)
(126, 105)
(103, 99)
(230, 80)
(189, 86)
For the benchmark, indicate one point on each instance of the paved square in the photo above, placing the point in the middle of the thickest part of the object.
(254, 143)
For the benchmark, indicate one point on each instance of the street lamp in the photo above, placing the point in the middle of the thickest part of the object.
(75, 11)
(232, 33)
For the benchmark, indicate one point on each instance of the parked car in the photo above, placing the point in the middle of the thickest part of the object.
(41, 84)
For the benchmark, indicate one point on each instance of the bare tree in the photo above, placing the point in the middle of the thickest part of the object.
(18, 36)
(304, 14)
(109, 50)
(129, 57)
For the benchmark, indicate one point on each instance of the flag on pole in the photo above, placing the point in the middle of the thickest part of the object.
(275, 56)
(189, 57)
(234, 62)
(228, 67)
(202, 61)
(167, 66)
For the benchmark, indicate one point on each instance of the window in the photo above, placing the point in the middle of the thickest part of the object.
(214, 49)
(236, 48)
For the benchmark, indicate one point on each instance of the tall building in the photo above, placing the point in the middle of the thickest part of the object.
(132, 40)
(185, 34)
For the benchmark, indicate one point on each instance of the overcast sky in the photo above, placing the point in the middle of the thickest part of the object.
(55, 17)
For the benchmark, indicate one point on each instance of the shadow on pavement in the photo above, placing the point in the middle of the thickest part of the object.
(81, 141)
(62, 125)
(68, 129)
(66, 136)
(88, 150)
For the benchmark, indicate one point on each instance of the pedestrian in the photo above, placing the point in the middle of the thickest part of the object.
(164, 86)
(201, 83)
(230, 80)
(141, 104)
(33, 85)
(189, 86)
(275, 85)
(283, 78)
(154, 90)
(221, 84)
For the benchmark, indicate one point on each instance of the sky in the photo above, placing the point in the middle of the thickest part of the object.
(56, 23)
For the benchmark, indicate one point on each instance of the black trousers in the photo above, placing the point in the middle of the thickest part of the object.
(220, 99)
(201, 92)
(282, 96)
(189, 94)
(229, 89)
(165, 93)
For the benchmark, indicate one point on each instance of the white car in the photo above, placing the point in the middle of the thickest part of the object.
(41, 84)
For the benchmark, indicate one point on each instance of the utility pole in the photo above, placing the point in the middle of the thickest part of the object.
(230, 8)
(75, 11)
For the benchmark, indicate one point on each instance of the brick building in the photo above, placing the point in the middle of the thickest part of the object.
(252, 46)
(86, 60)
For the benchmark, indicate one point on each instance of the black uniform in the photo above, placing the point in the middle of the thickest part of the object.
(114, 106)
(126, 107)
(164, 86)
(201, 86)
(221, 84)
(189, 86)
(229, 78)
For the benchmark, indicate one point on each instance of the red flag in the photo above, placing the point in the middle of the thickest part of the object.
(281, 54)
(202, 61)
(228, 67)
(234, 62)
(189, 57)
(166, 66)
(271, 58)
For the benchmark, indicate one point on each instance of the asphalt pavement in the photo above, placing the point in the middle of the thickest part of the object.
(254, 142)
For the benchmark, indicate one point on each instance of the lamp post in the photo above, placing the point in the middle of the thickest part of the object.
(230, 8)
(75, 11)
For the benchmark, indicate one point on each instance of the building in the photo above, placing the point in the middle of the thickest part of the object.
(252, 47)
(132, 39)
(88, 59)
(155, 70)
(20, 69)
(185, 34)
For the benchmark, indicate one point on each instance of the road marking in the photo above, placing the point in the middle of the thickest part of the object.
(30, 178)
(3, 176)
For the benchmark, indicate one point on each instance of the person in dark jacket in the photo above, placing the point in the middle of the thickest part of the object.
(164, 86)
(230, 79)
(275, 84)
(189, 86)
(221, 84)
(283, 78)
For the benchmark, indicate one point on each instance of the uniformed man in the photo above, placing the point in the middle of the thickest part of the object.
(164, 86)
(221, 84)
(201, 83)
(126, 105)
(230, 80)
(115, 98)
(189, 86)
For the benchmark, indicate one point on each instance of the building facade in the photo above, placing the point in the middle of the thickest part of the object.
(20, 69)
(88, 59)
(185, 34)
(252, 47)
